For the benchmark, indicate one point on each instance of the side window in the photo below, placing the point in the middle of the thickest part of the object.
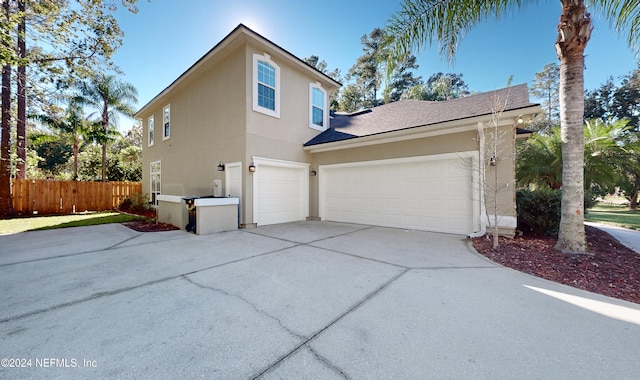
(266, 85)
(150, 130)
(166, 122)
(317, 107)
(156, 169)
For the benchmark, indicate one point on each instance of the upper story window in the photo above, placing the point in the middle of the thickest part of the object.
(166, 122)
(150, 130)
(318, 107)
(266, 85)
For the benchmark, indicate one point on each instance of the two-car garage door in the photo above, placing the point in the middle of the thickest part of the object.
(432, 193)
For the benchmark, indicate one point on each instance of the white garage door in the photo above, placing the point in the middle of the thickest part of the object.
(426, 193)
(281, 191)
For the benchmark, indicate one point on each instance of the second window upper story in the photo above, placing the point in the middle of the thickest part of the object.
(318, 110)
(266, 85)
(150, 131)
(166, 122)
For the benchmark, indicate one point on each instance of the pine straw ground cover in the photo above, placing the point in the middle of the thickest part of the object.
(610, 269)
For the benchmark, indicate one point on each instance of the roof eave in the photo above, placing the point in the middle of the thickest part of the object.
(240, 30)
(420, 131)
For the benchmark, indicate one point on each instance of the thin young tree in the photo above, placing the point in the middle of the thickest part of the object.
(422, 22)
(546, 86)
(111, 97)
(6, 203)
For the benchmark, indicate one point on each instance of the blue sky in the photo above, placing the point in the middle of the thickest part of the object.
(167, 36)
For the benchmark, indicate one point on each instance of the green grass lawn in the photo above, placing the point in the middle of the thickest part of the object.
(618, 215)
(16, 225)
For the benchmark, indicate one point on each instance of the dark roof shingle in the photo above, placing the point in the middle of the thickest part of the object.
(406, 114)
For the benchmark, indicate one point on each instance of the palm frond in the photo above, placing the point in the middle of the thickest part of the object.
(421, 23)
(623, 16)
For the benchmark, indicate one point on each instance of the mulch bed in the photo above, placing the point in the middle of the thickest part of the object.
(150, 224)
(144, 226)
(611, 269)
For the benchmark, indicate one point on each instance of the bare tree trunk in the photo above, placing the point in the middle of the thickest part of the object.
(75, 157)
(105, 126)
(21, 126)
(574, 31)
(6, 203)
(104, 161)
(633, 202)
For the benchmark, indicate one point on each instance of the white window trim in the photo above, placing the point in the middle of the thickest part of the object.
(151, 131)
(167, 137)
(267, 59)
(325, 110)
(151, 173)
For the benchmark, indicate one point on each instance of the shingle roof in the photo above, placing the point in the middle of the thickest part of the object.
(406, 114)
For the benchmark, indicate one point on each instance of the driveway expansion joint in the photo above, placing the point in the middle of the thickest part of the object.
(312, 241)
(253, 306)
(124, 241)
(122, 290)
(351, 309)
(110, 248)
(328, 363)
(85, 299)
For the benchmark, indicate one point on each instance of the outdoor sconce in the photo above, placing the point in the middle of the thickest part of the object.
(492, 161)
(313, 173)
(220, 166)
(252, 167)
(520, 119)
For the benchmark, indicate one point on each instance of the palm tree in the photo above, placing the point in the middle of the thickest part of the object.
(608, 157)
(422, 22)
(112, 97)
(73, 123)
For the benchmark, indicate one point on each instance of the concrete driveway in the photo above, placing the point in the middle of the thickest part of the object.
(309, 300)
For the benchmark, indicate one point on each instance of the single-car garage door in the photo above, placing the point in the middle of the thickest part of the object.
(281, 191)
(431, 193)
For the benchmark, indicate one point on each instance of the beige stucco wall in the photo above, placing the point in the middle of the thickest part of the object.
(504, 190)
(174, 213)
(212, 120)
(276, 138)
(207, 126)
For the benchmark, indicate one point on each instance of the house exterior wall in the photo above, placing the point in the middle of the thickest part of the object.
(212, 121)
(276, 138)
(207, 126)
(500, 197)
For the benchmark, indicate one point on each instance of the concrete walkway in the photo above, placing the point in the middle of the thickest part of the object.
(309, 300)
(630, 238)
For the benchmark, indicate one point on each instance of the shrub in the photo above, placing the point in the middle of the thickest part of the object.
(135, 202)
(539, 211)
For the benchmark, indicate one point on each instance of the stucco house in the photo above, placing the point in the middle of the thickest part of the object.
(250, 120)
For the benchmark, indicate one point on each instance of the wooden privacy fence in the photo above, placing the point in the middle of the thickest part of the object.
(65, 197)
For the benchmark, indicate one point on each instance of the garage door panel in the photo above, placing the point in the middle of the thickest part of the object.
(433, 195)
(281, 194)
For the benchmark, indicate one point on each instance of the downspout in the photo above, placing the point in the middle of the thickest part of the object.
(481, 181)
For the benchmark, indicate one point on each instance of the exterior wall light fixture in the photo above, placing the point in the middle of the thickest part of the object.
(220, 166)
(252, 167)
(313, 173)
